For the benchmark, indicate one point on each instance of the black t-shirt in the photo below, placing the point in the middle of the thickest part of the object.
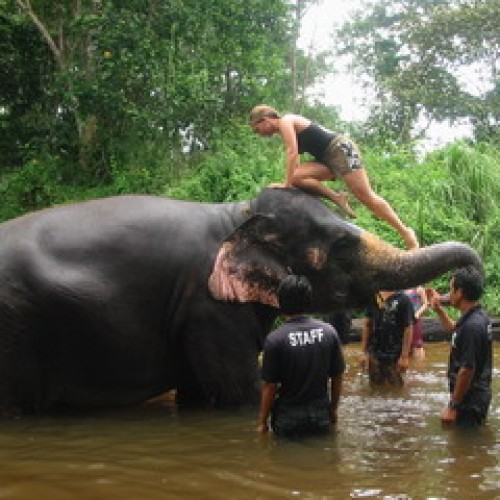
(301, 356)
(471, 347)
(388, 324)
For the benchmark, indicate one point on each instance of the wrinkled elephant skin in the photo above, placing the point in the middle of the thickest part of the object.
(113, 301)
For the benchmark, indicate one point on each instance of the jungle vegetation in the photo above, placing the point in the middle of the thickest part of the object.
(103, 97)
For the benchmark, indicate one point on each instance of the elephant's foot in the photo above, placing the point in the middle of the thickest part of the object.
(11, 412)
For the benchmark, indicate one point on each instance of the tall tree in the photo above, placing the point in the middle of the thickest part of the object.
(26, 68)
(305, 66)
(126, 74)
(413, 53)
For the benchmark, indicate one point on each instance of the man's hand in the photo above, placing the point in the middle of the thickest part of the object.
(275, 185)
(333, 415)
(448, 416)
(403, 363)
(363, 360)
(433, 298)
(262, 427)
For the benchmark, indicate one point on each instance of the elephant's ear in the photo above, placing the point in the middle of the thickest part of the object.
(247, 267)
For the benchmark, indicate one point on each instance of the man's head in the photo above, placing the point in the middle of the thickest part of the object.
(294, 295)
(466, 284)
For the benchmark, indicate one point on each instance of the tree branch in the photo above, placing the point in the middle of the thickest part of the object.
(26, 6)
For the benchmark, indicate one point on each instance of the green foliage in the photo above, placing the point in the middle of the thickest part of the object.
(414, 52)
(241, 163)
(25, 70)
(234, 170)
(36, 185)
(119, 74)
(452, 195)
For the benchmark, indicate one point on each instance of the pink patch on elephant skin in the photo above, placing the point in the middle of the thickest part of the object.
(233, 280)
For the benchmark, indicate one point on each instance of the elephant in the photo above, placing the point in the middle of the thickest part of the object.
(109, 302)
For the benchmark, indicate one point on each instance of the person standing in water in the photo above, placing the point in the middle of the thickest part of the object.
(386, 337)
(418, 298)
(302, 368)
(470, 365)
(336, 156)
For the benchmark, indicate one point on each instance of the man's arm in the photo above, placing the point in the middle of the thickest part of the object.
(335, 391)
(405, 349)
(365, 336)
(462, 385)
(424, 302)
(266, 403)
(446, 321)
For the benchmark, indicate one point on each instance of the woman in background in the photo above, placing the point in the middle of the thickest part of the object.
(420, 303)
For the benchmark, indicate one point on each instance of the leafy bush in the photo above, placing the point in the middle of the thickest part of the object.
(452, 195)
(234, 169)
(34, 186)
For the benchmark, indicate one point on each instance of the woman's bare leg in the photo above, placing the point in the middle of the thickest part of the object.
(359, 185)
(309, 176)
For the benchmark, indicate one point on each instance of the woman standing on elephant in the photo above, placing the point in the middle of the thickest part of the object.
(336, 156)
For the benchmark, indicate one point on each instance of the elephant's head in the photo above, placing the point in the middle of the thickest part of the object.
(292, 232)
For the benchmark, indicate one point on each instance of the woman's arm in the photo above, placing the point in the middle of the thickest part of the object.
(289, 136)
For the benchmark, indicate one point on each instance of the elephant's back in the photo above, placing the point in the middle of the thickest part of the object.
(133, 222)
(141, 242)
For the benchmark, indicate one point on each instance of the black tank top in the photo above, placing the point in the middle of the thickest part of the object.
(314, 139)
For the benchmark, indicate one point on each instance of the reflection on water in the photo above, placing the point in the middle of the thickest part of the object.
(389, 445)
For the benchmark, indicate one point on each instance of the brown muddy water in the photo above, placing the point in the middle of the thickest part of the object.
(389, 445)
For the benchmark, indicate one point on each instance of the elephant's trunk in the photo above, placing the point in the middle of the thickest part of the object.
(392, 268)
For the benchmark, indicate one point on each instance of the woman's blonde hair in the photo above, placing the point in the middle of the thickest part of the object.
(261, 111)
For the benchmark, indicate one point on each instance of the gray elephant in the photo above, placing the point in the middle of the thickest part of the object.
(110, 302)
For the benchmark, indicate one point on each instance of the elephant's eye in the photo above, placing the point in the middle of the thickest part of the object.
(271, 238)
(316, 257)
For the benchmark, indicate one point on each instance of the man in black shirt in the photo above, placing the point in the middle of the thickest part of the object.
(299, 358)
(471, 359)
(386, 337)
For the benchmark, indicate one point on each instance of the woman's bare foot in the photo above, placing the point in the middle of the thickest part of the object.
(342, 200)
(410, 238)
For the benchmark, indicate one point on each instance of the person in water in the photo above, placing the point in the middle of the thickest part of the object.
(386, 337)
(302, 368)
(335, 157)
(470, 364)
